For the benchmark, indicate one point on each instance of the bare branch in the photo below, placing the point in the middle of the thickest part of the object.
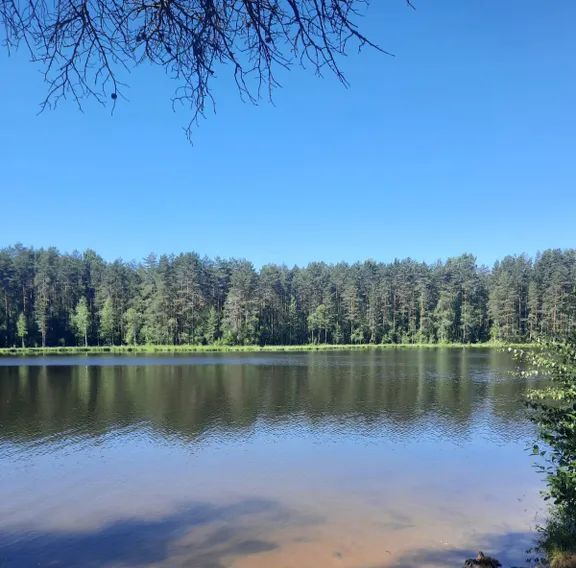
(85, 45)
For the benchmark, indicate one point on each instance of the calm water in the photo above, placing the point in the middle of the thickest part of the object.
(392, 458)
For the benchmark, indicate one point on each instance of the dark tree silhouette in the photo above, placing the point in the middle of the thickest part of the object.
(84, 45)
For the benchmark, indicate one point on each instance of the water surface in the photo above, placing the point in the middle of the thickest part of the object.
(383, 458)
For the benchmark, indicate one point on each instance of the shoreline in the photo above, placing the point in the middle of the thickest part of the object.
(144, 349)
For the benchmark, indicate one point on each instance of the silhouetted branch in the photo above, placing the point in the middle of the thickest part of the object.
(85, 44)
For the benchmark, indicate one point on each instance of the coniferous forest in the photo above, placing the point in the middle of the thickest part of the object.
(50, 298)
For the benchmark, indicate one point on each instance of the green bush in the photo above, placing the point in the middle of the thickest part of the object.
(553, 410)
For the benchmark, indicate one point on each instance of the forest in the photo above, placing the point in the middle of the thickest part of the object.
(49, 298)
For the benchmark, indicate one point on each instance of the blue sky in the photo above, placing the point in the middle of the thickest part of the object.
(462, 142)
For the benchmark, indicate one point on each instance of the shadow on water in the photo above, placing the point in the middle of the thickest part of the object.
(209, 536)
(505, 547)
(201, 534)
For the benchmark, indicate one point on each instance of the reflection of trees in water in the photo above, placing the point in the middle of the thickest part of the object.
(397, 389)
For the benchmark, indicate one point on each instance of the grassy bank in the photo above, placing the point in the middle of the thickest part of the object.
(558, 540)
(119, 349)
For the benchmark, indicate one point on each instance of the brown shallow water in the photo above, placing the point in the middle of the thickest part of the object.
(392, 458)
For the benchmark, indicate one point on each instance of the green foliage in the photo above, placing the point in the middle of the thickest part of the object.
(357, 335)
(45, 275)
(445, 316)
(318, 324)
(558, 540)
(108, 322)
(132, 325)
(553, 409)
(22, 328)
(187, 300)
(221, 346)
(240, 314)
(212, 328)
(294, 322)
(508, 302)
(338, 336)
(81, 320)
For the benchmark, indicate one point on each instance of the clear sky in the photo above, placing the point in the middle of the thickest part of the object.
(465, 141)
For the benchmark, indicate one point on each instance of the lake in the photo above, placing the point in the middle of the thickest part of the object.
(381, 458)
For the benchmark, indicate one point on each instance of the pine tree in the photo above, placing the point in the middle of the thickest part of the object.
(186, 299)
(444, 315)
(42, 311)
(293, 322)
(318, 322)
(239, 322)
(533, 310)
(212, 328)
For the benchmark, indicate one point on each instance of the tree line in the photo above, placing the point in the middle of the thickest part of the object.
(51, 298)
